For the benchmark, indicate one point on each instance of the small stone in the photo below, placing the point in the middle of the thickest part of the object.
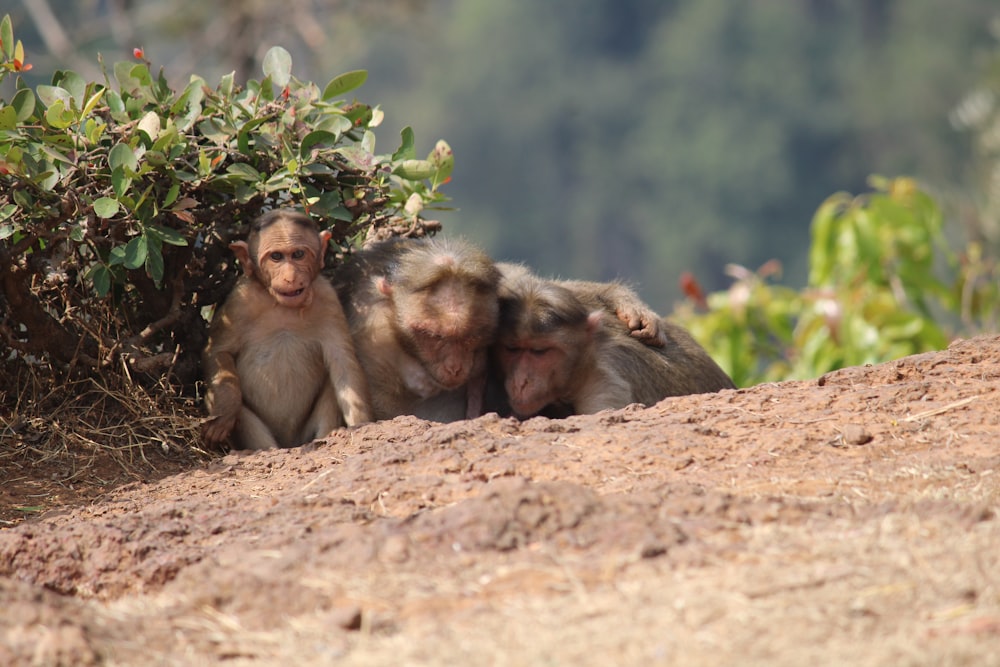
(855, 434)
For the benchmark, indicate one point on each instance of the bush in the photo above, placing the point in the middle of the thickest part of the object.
(883, 283)
(119, 199)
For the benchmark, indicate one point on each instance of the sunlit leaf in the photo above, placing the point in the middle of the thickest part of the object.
(122, 155)
(278, 65)
(8, 118)
(7, 37)
(106, 207)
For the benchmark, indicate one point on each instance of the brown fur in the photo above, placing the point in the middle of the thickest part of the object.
(423, 313)
(558, 354)
(279, 363)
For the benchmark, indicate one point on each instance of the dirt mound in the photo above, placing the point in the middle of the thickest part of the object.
(846, 520)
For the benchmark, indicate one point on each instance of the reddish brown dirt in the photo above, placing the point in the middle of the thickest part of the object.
(851, 519)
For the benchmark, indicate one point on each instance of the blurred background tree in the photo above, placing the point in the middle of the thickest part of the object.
(597, 139)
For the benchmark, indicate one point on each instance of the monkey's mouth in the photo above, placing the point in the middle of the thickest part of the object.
(526, 408)
(290, 297)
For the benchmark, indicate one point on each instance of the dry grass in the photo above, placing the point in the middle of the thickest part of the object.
(73, 439)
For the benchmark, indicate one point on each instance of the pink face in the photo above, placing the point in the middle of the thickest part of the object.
(535, 372)
(449, 327)
(288, 260)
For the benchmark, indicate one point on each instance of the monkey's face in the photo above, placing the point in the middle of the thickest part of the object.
(536, 372)
(287, 260)
(450, 361)
(448, 326)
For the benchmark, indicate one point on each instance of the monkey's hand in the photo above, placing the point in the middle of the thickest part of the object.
(643, 324)
(215, 430)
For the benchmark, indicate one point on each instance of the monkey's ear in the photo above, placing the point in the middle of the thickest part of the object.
(594, 321)
(324, 243)
(383, 286)
(242, 252)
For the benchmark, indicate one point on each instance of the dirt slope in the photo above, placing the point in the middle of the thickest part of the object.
(846, 520)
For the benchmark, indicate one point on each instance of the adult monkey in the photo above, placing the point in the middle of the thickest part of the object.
(558, 354)
(280, 363)
(422, 313)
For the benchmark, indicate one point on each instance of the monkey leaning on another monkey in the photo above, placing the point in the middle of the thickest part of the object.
(559, 353)
(422, 313)
(280, 363)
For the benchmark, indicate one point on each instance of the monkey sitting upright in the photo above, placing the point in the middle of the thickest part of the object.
(280, 363)
(559, 352)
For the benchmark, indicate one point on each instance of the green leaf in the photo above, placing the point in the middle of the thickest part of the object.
(226, 84)
(405, 150)
(443, 160)
(167, 235)
(136, 252)
(106, 207)
(120, 182)
(116, 256)
(278, 66)
(75, 85)
(7, 37)
(216, 131)
(117, 106)
(58, 116)
(415, 170)
(316, 138)
(172, 194)
(150, 124)
(93, 102)
(24, 103)
(8, 118)
(122, 155)
(246, 171)
(49, 95)
(344, 83)
(100, 276)
(154, 262)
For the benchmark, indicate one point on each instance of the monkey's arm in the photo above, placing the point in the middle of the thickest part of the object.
(348, 377)
(224, 397)
(642, 321)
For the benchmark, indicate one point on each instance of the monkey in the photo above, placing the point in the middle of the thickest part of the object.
(615, 298)
(559, 355)
(423, 313)
(280, 363)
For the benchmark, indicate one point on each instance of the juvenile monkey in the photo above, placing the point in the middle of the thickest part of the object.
(280, 364)
(422, 313)
(558, 354)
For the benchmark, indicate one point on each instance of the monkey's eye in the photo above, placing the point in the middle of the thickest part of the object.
(539, 351)
(298, 254)
(276, 256)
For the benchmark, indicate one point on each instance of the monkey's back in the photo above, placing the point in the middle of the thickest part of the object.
(679, 368)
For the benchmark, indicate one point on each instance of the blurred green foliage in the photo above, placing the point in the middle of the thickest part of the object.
(883, 283)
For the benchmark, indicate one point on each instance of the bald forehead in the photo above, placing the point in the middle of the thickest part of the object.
(284, 234)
